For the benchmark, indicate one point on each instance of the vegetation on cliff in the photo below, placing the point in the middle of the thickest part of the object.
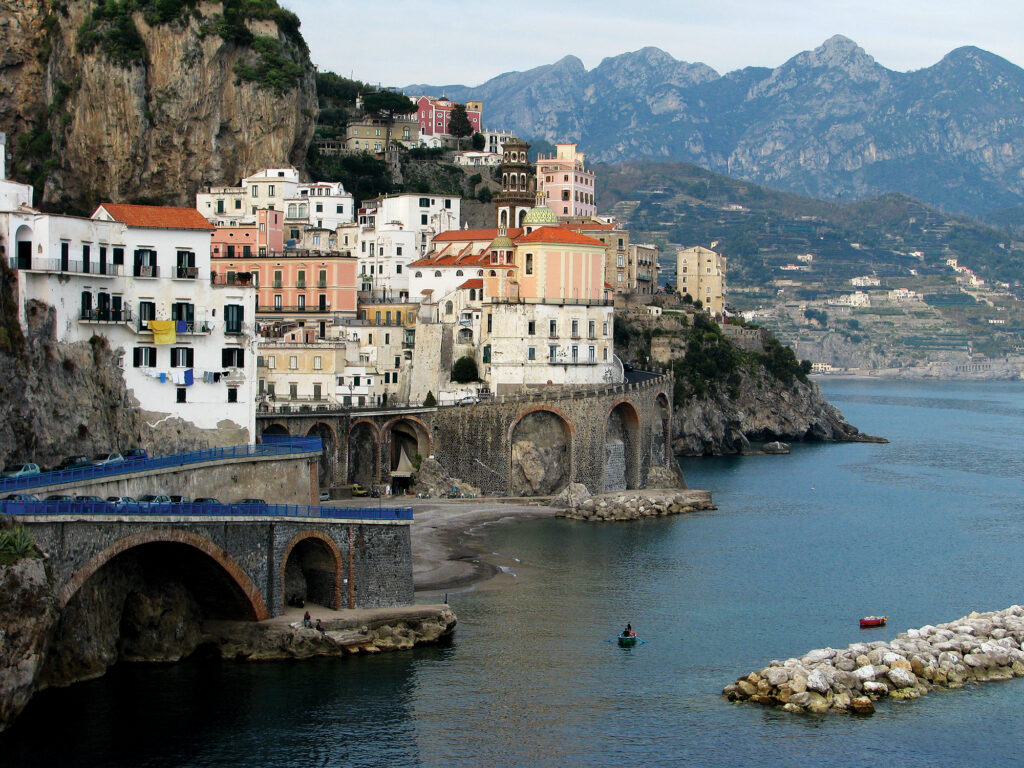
(16, 544)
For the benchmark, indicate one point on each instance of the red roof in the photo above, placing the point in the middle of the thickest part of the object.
(155, 216)
(476, 282)
(558, 235)
(590, 226)
(473, 234)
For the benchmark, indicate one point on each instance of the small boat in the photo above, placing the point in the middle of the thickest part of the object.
(873, 621)
(627, 639)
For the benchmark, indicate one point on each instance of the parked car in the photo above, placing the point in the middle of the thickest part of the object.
(58, 497)
(253, 501)
(122, 500)
(135, 453)
(357, 489)
(154, 498)
(325, 495)
(107, 458)
(88, 498)
(206, 500)
(22, 470)
(467, 400)
(177, 499)
(21, 497)
(73, 462)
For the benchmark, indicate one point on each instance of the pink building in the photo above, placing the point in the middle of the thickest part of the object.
(263, 238)
(435, 114)
(567, 184)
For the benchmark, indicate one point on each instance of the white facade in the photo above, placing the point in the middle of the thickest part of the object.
(496, 141)
(86, 270)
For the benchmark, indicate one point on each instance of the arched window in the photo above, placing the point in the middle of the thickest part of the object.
(504, 218)
(292, 210)
(418, 274)
(448, 308)
(458, 273)
(511, 273)
(479, 273)
(493, 273)
(302, 210)
(522, 180)
(437, 273)
(472, 294)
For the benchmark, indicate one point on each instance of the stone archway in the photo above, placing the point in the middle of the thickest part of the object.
(328, 456)
(311, 571)
(275, 428)
(23, 247)
(408, 441)
(541, 453)
(661, 431)
(621, 443)
(363, 453)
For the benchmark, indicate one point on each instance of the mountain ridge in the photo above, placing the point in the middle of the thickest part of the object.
(830, 122)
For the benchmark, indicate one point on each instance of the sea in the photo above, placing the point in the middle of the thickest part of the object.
(924, 530)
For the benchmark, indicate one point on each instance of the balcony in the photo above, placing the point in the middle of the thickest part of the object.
(186, 273)
(142, 270)
(123, 315)
(66, 266)
(181, 327)
(314, 309)
(236, 278)
(555, 301)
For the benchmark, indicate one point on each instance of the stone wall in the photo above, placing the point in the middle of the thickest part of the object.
(288, 479)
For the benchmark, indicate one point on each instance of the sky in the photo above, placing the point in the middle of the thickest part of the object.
(466, 42)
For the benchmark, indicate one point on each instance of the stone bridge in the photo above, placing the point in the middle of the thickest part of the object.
(607, 438)
(236, 566)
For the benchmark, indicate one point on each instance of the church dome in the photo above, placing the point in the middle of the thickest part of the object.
(540, 216)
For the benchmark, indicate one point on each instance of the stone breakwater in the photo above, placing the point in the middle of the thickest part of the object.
(633, 505)
(977, 648)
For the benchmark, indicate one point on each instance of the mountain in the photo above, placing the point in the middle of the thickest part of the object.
(831, 123)
(148, 100)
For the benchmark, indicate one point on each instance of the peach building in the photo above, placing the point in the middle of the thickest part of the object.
(567, 184)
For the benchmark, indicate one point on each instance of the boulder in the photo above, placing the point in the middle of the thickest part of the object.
(572, 496)
(776, 447)
(818, 681)
(865, 674)
(777, 676)
(862, 705)
(902, 678)
(818, 704)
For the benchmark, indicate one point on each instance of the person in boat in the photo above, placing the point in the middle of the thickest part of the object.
(628, 630)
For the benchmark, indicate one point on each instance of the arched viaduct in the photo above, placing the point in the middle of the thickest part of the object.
(607, 438)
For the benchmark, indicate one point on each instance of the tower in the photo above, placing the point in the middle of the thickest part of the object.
(518, 184)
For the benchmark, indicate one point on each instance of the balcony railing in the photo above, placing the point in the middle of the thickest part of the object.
(186, 273)
(237, 278)
(141, 270)
(555, 301)
(123, 315)
(180, 326)
(77, 267)
(289, 309)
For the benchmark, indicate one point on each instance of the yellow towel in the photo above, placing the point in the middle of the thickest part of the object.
(163, 331)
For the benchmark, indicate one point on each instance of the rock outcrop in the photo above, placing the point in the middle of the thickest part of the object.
(28, 612)
(977, 648)
(153, 114)
(632, 505)
(764, 409)
(433, 479)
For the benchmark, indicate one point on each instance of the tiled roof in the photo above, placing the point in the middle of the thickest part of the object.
(557, 235)
(156, 216)
(476, 282)
(590, 226)
(472, 234)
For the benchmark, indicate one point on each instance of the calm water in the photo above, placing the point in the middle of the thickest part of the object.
(924, 530)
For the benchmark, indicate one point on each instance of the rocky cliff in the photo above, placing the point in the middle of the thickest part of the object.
(829, 123)
(150, 100)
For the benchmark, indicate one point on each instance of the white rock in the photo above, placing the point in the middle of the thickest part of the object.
(818, 681)
(777, 676)
(902, 678)
(864, 674)
(816, 657)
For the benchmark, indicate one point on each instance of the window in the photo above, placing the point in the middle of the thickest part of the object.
(302, 301)
(118, 256)
(592, 354)
(255, 191)
(448, 307)
(293, 362)
(398, 250)
(270, 190)
(553, 328)
(182, 394)
(575, 329)
(604, 329)
(531, 353)
(232, 357)
(293, 390)
(423, 219)
(319, 207)
(591, 329)
(621, 263)
(424, 202)
(317, 363)
(531, 328)
(447, 203)
(277, 301)
(234, 314)
(182, 311)
(147, 312)
(317, 390)
(182, 357)
(340, 209)
(604, 353)
(437, 273)
(529, 263)
(144, 357)
(145, 263)
(553, 353)
(575, 354)
(490, 322)
(398, 269)
(232, 394)
(487, 353)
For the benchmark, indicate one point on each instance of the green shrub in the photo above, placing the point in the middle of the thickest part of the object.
(274, 69)
(429, 401)
(16, 544)
(464, 370)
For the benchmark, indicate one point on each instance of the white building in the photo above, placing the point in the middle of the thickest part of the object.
(865, 281)
(855, 299)
(139, 276)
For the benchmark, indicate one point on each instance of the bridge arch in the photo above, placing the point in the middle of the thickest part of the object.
(364, 452)
(275, 428)
(404, 438)
(328, 456)
(661, 430)
(246, 593)
(541, 459)
(311, 570)
(622, 447)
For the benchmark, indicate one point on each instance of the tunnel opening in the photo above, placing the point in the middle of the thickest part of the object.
(312, 574)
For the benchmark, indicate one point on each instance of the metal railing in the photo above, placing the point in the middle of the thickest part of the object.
(74, 266)
(123, 315)
(557, 301)
(270, 447)
(191, 509)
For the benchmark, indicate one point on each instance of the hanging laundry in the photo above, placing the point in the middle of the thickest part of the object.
(181, 326)
(163, 377)
(163, 331)
(189, 377)
(178, 377)
(216, 376)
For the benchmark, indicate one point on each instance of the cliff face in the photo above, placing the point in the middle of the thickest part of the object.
(186, 105)
(764, 409)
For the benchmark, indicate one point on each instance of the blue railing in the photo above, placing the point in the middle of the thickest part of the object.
(81, 508)
(273, 445)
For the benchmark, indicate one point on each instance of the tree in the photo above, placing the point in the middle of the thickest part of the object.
(464, 370)
(429, 401)
(484, 195)
(387, 104)
(479, 142)
(459, 125)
